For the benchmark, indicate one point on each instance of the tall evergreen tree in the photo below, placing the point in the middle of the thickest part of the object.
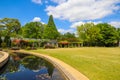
(50, 31)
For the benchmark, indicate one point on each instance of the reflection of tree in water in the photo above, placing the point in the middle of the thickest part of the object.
(30, 62)
(35, 63)
(13, 63)
(11, 66)
(50, 68)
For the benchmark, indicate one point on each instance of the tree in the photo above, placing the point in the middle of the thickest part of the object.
(70, 37)
(50, 31)
(88, 33)
(33, 30)
(109, 35)
(101, 34)
(118, 36)
(9, 26)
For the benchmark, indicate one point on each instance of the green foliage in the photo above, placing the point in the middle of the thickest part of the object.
(109, 34)
(118, 36)
(88, 33)
(50, 31)
(9, 26)
(101, 34)
(0, 42)
(33, 30)
(3, 44)
(70, 37)
(7, 41)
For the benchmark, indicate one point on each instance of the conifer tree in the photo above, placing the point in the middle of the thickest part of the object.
(50, 31)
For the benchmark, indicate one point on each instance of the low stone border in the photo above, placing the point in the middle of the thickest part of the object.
(70, 72)
(4, 58)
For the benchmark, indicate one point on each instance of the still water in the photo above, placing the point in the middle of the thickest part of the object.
(29, 67)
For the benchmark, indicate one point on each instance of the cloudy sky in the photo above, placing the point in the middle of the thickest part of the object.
(67, 13)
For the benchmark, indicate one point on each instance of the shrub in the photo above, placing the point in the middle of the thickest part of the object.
(31, 48)
(49, 47)
(15, 48)
(3, 44)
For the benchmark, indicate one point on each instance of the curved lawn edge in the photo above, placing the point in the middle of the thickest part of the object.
(70, 72)
(4, 58)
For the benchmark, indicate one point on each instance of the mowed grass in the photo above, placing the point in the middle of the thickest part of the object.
(95, 63)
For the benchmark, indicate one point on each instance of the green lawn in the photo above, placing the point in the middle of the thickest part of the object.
(95, 63)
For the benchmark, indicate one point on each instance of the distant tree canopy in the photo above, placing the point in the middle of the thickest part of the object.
(101, 34)
(70, 37)
(33, 30)
(50, 31)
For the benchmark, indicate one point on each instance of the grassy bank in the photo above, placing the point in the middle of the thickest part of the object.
(95, 63)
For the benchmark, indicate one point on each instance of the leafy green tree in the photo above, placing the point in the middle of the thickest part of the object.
(109, 35)
(88, 33)
(101, 34)
(33, 30)
(118, 36)
(8, 26)
(70, 37)
(50, 31)
(81, 31)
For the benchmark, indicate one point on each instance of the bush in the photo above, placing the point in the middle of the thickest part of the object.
(3, 44)
(31, 48)
(49, 47)
(15, 48)
(28, 48)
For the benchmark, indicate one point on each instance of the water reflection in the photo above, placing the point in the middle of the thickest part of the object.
(28, 67)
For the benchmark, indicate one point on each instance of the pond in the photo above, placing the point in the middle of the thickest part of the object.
(28, 67)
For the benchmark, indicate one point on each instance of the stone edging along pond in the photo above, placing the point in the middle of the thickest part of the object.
(69, 72)
(4, 58)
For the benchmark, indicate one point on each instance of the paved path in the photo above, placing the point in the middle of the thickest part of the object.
(70, 72)
(3, 58)
(1, 55)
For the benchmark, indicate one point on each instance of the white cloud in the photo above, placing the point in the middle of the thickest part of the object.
(37, 1)
(58, 1)
(76, 24)
(65, 31)
(36, 19)
(115, 23)
(76, 10)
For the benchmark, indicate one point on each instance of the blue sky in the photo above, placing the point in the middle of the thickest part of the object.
(67, 13)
